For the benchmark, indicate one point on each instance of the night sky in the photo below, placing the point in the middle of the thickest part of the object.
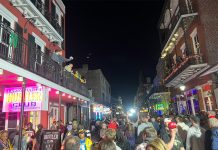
(120, 37)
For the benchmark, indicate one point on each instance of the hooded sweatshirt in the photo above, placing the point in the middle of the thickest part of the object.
(195, 137)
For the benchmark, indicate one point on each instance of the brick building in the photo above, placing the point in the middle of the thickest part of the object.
(188, 31)
(32, 54)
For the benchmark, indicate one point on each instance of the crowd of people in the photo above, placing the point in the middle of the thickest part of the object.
(170, 132)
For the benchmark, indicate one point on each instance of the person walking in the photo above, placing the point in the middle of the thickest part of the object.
(195, 135)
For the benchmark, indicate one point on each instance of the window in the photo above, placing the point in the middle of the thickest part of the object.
(182, 48)
(196, 44)
(195, 41)
(4, 35)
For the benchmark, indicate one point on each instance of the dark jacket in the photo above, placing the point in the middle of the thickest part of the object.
(214, 138)
(211, 139)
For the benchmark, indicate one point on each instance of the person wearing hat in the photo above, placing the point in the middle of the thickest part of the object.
(171, 136)
(85, 143)
(195, 135)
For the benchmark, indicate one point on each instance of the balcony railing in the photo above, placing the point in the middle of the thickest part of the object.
(180, 10)
(175, 69)
(18, 51)
(45, 12)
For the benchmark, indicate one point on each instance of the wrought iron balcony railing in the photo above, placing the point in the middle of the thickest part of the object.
(182, 10)
(18, 51)
(175, 69)
(51, 18)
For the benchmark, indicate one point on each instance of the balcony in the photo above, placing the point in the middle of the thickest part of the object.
(175, 14)
(185, 70)
(41, 17)
(23, 53)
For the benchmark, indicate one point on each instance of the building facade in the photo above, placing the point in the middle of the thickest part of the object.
(188, 31)
(32, 59)
(97, 82)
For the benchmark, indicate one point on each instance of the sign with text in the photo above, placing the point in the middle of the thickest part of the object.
(50, 140)
(34, 97)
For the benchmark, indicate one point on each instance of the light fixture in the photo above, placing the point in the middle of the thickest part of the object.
(74, 97)
(132, 110)
(63, 94)
(182, 87)
(167, 49)
(69, 96)
(38, 85)
(173, 39)
(20, 79)
(1, 71)
(130, 114)
(176, 34)
(57, 92)
(49, 89)
(164, 55)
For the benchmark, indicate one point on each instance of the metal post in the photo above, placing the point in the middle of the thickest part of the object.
(77, 110)
(21, 113)
(59, 108)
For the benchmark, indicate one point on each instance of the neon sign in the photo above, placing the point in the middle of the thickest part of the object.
(33, 99)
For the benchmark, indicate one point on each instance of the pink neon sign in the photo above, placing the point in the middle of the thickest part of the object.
(12, 99)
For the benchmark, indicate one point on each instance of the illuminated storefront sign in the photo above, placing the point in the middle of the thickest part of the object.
(98, 108)
(106, 110)
(34, 99)
(159, 107)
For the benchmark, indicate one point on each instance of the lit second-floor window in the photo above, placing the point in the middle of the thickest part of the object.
(195, 41)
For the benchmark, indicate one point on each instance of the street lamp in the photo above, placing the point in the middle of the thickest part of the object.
(182, 87)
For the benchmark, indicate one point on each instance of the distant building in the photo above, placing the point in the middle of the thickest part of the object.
(96, 81)
(143, 90)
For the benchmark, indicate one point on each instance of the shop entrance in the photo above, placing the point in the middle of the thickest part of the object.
(193, 106)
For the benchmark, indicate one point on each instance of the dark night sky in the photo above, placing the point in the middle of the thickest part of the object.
(120, 37)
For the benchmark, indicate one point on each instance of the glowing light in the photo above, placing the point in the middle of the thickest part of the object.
(49, 89)
(182, 87)
(1, 71)
(20, 79)
(63, 94)
(57, 92)
(176, 34)
(38, 85)
(132, 111)
(69, 96)
(74, 97)
(130, 114)
(173, 39)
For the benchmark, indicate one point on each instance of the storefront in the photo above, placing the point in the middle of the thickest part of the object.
(36, 101)
(199, 99)
(159, 103)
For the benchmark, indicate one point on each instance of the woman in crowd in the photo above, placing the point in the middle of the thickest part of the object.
(130, 135)
(157, 144)
(4, 141)
(107, 145)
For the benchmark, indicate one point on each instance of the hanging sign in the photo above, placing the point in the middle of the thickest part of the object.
(34, 99)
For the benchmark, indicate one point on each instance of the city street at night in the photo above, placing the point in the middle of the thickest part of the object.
(108, 75)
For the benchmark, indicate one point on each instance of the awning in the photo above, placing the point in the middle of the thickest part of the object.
(212, 69)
